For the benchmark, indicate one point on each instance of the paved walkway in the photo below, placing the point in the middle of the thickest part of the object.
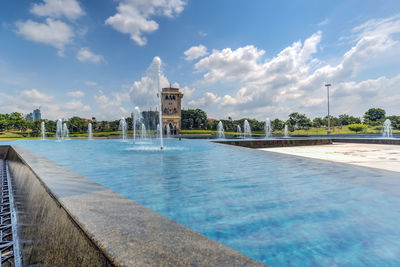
(386, 157)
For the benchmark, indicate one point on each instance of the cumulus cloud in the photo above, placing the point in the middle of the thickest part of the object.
(58, 8)
(35, 97)
(295, 77)
(195, 52)
(187, 92)
(133, 17)
(53, 32)
(143, 93)
(76, 94)
(27, 100)
(205, 101)
(85, 55)
(230, 65)
(76, 105)
(113, 106)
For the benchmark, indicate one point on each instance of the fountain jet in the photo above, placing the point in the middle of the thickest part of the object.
(90, 133)
(122, 128)
(220, 129)
(268, 128)
(136, 118)
(59, 130)
(246, 129)
(43, 130)
(65, 131)
(143, 132)
(387, 129)
(286, 134)
(238, 131)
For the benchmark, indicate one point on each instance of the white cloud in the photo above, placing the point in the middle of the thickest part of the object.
(58, 8)
(85, 55)
(27, 100)
(230, 65)
(34, 96)
(195, 52)
(324, 22)
(187, 92)
(133, 17)
(77, 106)
(114, 106)
(207, 100)
(76, 94)
(53, 32)
(143, 93)
(293, 80)
(90, 83)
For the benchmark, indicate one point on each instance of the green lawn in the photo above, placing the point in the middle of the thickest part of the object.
(311, 131)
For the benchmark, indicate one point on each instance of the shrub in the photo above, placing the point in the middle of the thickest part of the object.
(357, 127)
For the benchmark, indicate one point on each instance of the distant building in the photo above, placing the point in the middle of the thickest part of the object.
(171, 109)
(29, 117)
(34, 116)
(37, 115)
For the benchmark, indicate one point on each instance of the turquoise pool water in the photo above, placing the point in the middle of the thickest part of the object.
(277, 209)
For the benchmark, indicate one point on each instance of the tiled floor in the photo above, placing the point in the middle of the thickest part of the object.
(385, 157)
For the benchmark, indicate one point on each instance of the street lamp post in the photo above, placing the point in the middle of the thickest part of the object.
(329, 117)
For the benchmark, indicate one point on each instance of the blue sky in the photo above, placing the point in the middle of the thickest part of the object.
(231, 58)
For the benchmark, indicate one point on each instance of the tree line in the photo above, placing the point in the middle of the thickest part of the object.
(17, 122)
(194, 119)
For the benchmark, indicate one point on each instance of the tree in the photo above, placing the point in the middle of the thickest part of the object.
(277, 124)
(94, 123)
(51, 126)
(358, 127)
(374, 116)
(334, 121)
(395, 121)
(193, 119)
(298, 121)
(77, 125)
(345, 119)
(36, 128)
(318, 122)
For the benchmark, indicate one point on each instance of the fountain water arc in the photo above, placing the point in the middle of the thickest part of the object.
(122, 128)
(286, 133)
(387, 129)
(238, 131)
(90, 131)
(43, 130)
(221, 131)
(59, 130)
(65, 131)
(246, 129)
(268, 128)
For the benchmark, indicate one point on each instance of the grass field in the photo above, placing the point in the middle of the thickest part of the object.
(311, 131)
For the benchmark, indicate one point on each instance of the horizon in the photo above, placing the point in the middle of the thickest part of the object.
(230, 59)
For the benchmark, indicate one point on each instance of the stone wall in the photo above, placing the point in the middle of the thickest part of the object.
(275, 142)
(381, 141)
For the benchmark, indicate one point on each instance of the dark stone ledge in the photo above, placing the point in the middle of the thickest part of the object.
(75, 222)
(381, 141)
(276, 142)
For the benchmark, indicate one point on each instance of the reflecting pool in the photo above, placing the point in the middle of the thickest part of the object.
(277, 209)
